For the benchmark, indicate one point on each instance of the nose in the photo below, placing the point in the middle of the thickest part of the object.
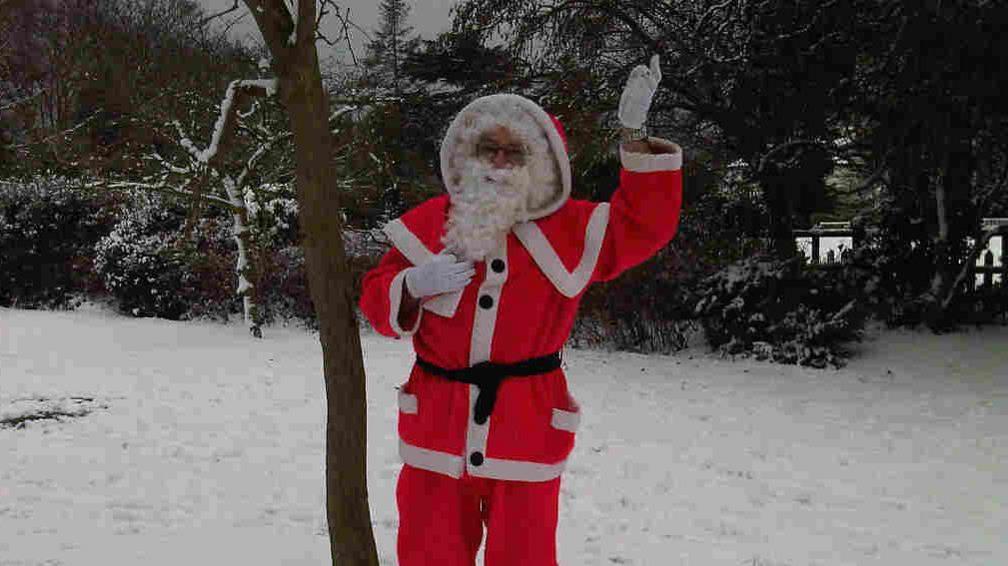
(500, 159)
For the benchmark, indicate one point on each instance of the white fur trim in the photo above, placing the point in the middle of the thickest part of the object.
(566, 420)
(670, 160)
(443, 305)
(481, 342)
(494, 468)
(570, 284)
(449, 146)
(485, 320)
(408, 403)
(431, 460)
(417, 253)
(476, 435)
(395, 299)
(517, 470)
(406, 242)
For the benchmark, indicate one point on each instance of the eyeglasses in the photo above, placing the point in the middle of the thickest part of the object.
(514, 154)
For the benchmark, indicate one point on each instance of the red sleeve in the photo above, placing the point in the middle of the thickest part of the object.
(644, 210)
(381, 292)
(381, 288)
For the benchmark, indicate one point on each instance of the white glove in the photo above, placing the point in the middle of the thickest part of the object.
(443, 274)
(640, 88)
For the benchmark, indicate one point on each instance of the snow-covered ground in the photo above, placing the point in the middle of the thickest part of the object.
(200, 445)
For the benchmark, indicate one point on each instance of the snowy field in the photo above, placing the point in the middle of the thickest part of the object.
(197, 445)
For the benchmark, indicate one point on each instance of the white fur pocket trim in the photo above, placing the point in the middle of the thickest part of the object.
(566, 420)
(408, 403)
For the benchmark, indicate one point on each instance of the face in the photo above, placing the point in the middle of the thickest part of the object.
(501, 148)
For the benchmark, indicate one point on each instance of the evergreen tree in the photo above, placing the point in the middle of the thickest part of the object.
(393, 41)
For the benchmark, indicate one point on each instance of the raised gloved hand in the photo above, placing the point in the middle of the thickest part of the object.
(637, 94)
(443, 274)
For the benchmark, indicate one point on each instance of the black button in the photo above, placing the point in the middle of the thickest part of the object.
(476, 458)
(486, 301)
(497, 265)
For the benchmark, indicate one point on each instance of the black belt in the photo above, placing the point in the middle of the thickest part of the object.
(488, 377)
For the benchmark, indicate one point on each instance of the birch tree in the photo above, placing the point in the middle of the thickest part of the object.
(207, 176)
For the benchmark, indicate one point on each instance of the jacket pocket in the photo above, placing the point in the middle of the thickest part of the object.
(567, 419)
(407, 402)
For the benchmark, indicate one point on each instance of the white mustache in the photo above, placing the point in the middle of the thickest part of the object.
(514, 177)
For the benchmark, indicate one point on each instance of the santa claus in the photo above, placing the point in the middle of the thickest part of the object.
(486, 280)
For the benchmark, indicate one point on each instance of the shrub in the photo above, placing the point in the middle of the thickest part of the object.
(640, 311)
(778, 311)
(141, 268)
(283, 288)
(47, 229)
(151, 268)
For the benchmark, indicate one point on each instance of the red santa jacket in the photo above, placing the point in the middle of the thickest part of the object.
(520, 304)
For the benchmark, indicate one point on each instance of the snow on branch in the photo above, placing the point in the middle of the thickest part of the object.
(160, 187)
(273, 18)
(292, 38)
(263, 148)
(710, 12)
(23, 100)
(185, 142)
(336, 114)
(228, 116)
(167, 165)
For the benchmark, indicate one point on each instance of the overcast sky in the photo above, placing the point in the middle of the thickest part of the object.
(428, 18)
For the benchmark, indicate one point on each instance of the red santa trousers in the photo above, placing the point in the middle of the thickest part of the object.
(441, 520)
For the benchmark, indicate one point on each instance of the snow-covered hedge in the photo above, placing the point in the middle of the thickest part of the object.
(151, 268)
(47, 229)
(780, 311)
(141, 264)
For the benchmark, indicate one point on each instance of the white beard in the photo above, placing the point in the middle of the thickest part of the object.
(481, 214)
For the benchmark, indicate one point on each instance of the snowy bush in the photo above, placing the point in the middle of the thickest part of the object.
(273, 215)
(778, 311)
(141, 265)
(152, 269)
(47, 229)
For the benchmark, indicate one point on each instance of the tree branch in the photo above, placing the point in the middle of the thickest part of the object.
(780, 149)
(55, 135)
(876, 176)
(162, 187)
(251, 163)
(276, 25)
(237, 93)
(20, 101)
(168, 165)
(208, 19)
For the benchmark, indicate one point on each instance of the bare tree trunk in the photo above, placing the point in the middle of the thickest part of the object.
(350, 533)
(351, 537)
(775, 190)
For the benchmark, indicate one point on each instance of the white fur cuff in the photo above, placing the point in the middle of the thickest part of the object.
(395, 301)
(669, 160)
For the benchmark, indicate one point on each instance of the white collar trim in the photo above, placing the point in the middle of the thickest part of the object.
(418, 253)
(570, 284)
